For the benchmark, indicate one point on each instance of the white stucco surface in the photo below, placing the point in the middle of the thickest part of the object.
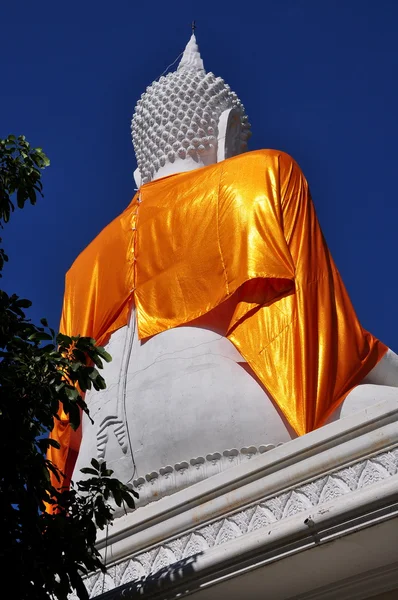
(178, 396)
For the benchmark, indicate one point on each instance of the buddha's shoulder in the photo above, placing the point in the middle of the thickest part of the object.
(268, 157)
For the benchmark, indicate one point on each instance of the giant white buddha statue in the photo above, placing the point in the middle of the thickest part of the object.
(215, 293)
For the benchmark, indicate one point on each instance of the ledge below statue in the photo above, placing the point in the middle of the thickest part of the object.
(311, 501)
(168, 480)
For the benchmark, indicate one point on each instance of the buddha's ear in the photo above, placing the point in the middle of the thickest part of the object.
(229, 130)
(137, 178)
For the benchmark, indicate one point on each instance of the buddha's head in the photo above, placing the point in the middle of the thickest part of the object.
(186, 120)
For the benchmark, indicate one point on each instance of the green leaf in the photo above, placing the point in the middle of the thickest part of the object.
(47, 348)
(21, 197)
(79, 355)
(88, 471)
(40, 336)
(71, 393)
(84, 381)
(23, 303)
(103, 467)
(53, 470)
(32, 196)
(104, 354)
(74, 416)
(96, 360)
(117, 495)
(129, 500)
(46, 442)
(95, 464)
(64, 340)
(107, 473)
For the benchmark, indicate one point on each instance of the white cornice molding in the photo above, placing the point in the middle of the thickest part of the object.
(170, 479)
(327, 479)
(305, 458)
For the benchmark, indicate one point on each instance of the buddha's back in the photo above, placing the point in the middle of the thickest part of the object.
(181, 403)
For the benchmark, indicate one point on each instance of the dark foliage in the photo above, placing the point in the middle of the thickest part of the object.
(39, 372)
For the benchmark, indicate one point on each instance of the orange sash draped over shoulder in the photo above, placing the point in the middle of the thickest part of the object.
(241, 237)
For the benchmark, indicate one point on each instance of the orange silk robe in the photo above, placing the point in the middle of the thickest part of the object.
(235, 246)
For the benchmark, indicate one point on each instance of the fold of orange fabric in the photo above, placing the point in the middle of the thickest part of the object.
(237, 243)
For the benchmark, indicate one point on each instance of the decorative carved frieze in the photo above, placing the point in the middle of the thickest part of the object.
(171, 479)
(300, 499)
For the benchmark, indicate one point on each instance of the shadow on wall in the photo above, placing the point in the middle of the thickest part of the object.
(174, 576)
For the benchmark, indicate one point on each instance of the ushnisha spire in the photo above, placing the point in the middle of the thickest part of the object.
(191, 58)
(178, 115)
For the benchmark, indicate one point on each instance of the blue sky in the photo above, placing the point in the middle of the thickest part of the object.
(318, 80)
